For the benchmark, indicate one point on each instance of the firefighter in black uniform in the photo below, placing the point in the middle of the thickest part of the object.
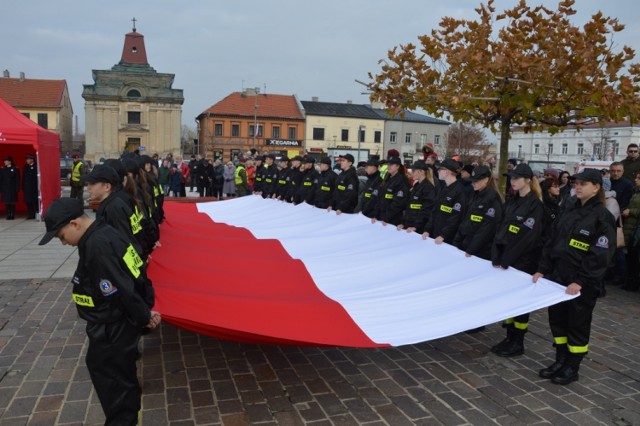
(345, 195)
(283, 180)
(369, 202)
(261, 170)
(577, 256)
(482, 216)
(105, 296)
(306, 191)
(394, 192)
(270, 183)
(9, 186)
(421, 198)
(449, 206)
(518, 244)
(30, 186)
(325, 184)
(295, 178)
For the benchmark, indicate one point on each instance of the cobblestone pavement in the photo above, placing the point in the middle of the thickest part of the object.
(190, 379)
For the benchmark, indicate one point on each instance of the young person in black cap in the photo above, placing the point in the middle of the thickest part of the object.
(270, 184)
(394, 192)
(421, 198)
(295, 178)
(326, 184)
(449, 205)
(261, 171)
(482, 216)
(306, 191)
(577, 256)
(9, 186)
(345, 196)
(30, 186)
(105, 296)
(518, 244)
(369, 199)
(283, 180)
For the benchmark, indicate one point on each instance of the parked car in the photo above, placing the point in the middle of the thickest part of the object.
(65, 169)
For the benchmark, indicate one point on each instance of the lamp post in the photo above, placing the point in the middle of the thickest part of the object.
(360, 137)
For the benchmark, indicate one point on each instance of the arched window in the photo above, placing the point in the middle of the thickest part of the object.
(133, 93)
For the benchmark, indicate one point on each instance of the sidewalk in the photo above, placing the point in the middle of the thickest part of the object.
(189, 379)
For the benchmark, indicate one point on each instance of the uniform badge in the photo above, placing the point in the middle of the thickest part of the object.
(457, 207)
(491, 212)
(530, 222)
(400, 194)
(350, 187)
(375, 192)
(584, 232)
(603, 242)
(107, 288)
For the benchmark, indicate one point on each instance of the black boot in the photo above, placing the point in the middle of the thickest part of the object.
(506, 340)
(11, 208)
(569, 371)
(553, 369)
(513, 347)
(631, 284)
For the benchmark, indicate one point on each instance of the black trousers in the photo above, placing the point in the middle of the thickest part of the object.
(111, 360)
(32, 209)
(570, 321)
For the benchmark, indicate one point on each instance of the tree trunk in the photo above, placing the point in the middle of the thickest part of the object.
(505, 128)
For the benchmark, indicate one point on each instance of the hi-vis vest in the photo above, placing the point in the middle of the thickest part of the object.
(237, 175)
(75, 171)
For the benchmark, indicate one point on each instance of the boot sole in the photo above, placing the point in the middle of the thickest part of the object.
(555, 380)
(509, 354)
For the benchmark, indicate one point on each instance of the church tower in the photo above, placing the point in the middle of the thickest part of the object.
(132, 106)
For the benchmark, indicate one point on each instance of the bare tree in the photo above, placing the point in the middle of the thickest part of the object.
(188, 137)
(469, 143)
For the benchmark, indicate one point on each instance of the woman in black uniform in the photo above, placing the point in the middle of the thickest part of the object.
(518, 244)
(421, 198)
(577, 256)
(394, 192)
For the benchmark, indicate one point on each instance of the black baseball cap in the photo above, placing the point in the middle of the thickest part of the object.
(449, 164)
(420, 165)
(297, 158)
(349, 158)
(102, 174)
(521, 170)
(308, 159)
(394, 160)
(373, 162)
(589, 175)
(325, 160)
(479, 173)
(59, 214)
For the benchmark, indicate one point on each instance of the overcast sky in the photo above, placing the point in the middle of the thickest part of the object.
(301, 47)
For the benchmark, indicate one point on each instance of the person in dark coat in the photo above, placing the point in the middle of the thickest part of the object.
(345, 195)
(421, 198)
(30, 186)
(306, 191)
(394, 192)
(218, 179)
(325, 184)
(9, 186)
(369, 202)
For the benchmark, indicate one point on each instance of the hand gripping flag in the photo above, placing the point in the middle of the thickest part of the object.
(264, 271)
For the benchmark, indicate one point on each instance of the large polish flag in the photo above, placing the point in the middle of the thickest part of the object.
(263, 271)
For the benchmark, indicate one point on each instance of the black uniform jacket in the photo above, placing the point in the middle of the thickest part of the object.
(30, 183)
(104, 287)
(419, 205)
(479, 223)
(325, 185)
(306, 191)
(394, 193)
(518, 240)
(294, 183)
(369, 200)
(118, 213)
(284, 183)
(447, 212)
(345, 196)
(270, 183)
(261, 174)
(9, 184)
(583, 245)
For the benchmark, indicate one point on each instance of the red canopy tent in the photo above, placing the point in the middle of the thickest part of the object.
(20, 136)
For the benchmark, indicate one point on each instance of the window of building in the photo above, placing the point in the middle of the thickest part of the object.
(361, 134)
(407, 138)
(218, 129)
(133, 93)
(550, 149)
(536, 149)
(293, 133)
(377, 136)
(423, 139)
(565, 148)
(251, 131)
(436, 140)
(275, 132)
(133, 117)
(235, 130)
(344, 135)
(43, 119)
(616, 145)
(519, 151)
(393, 136)
(318, 134)
(26, 114)
(580, 149)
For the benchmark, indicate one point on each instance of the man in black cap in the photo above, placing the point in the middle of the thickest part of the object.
(9, 186)
(326, 184)
(105, 296)
(306, 190)
(270, 184)
(284, 179)
(395, 192)
(295, 178)
(261, 170)
(345, 195)
(421, 198)
(30, 186)
(368, 202)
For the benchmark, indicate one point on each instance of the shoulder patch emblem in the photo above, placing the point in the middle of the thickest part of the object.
(530, 222)
(400, 194)
(457, 207)
(107, 288)
(491, 212)
(603, 242)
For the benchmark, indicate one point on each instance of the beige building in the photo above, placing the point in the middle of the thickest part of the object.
(132, 106)
(45, 102)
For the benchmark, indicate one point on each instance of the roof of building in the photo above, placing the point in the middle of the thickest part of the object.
(32, 93)
(133, 51)
(334, 109)
(268, 105)
(409, 116)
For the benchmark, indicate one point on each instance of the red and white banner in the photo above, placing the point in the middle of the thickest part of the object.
(264, 271)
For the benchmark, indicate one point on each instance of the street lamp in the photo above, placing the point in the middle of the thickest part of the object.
(360, 137)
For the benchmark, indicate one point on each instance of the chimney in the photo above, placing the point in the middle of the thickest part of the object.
(349, 101)
(21, 76)
(6, 74)
(314, 99)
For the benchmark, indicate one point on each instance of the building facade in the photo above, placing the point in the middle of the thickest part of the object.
(132, 106)
(268, 123)
(45, 102)
(596, 142)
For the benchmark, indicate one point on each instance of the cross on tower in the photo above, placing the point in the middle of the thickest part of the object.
(134, 24)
